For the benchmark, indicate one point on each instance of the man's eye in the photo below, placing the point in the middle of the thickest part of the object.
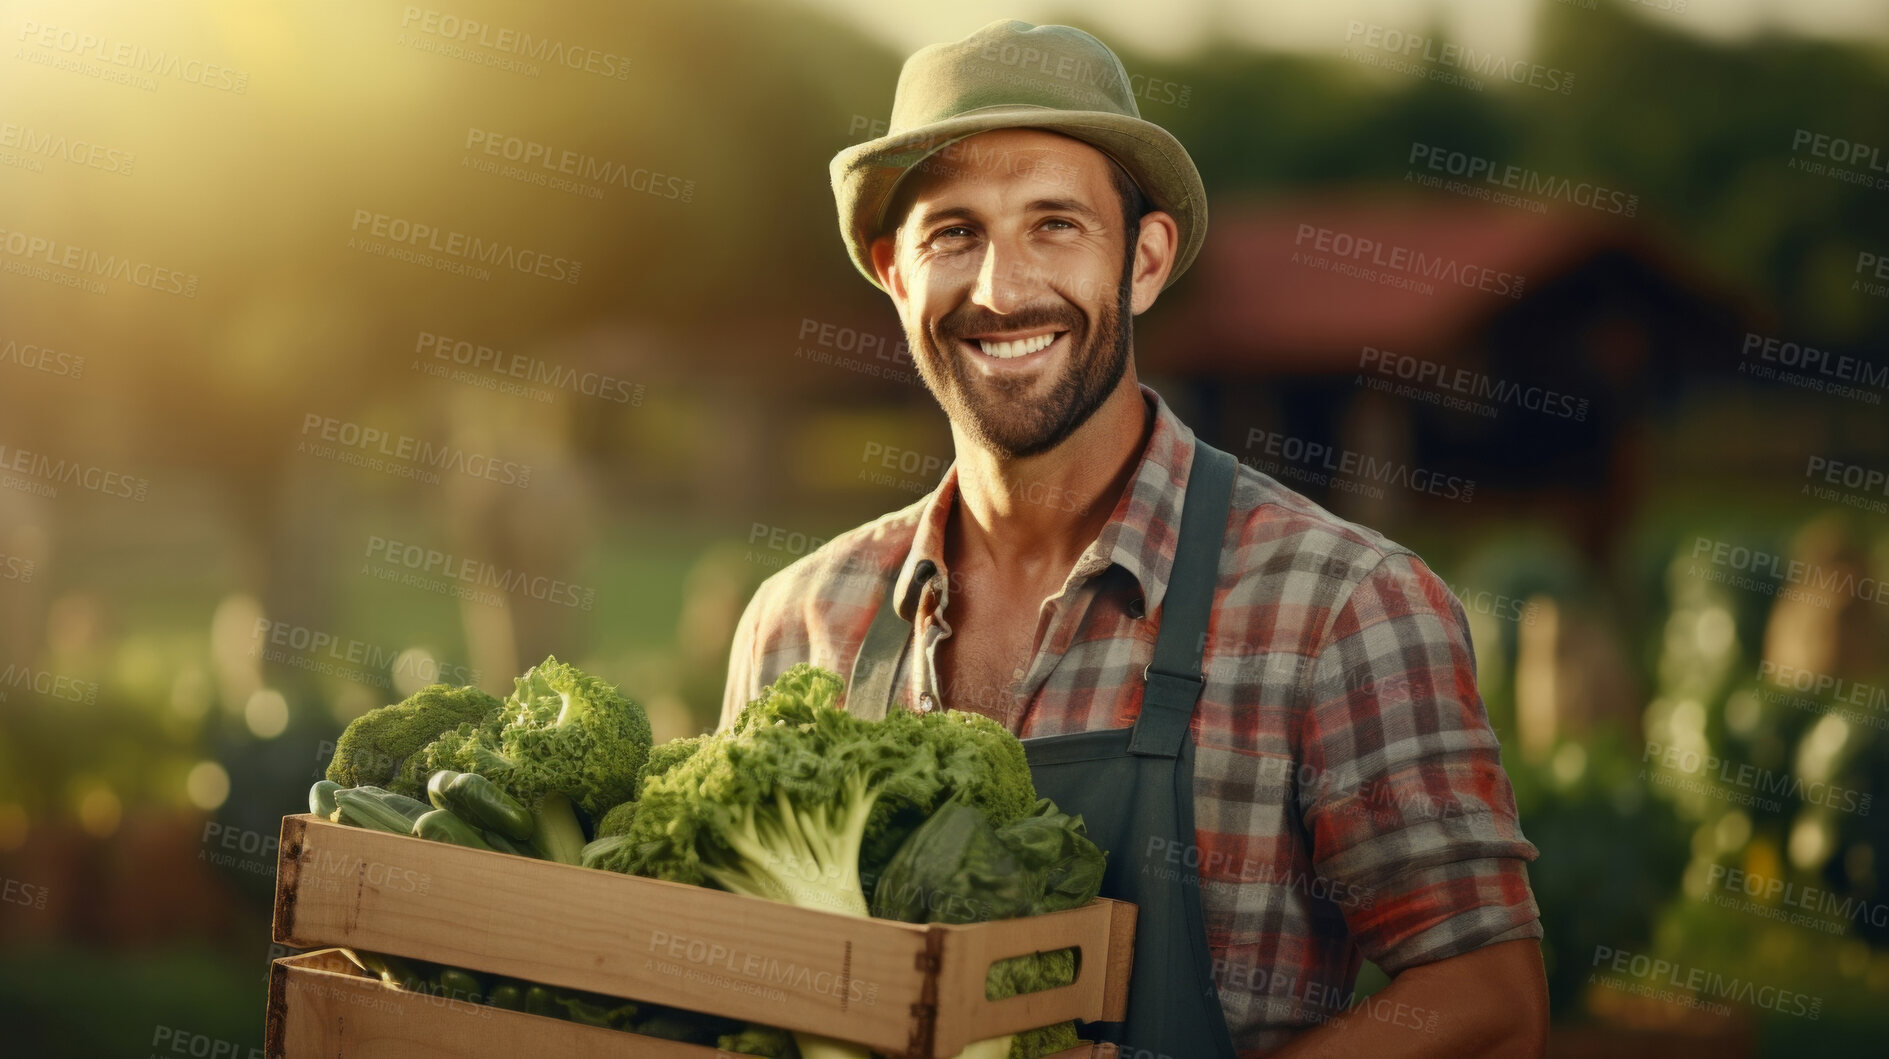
(1059, 220)
(947, 232)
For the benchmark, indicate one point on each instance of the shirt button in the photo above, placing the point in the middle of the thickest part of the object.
(924, 702)
(1137, 608)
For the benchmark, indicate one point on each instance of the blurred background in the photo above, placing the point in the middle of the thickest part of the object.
(347, 348)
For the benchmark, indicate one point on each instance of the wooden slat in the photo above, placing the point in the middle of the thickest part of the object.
(965, 1015)
(665, 943)
(323, 1007)
(1121, 962)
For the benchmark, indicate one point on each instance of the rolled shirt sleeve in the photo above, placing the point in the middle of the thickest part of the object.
(1403, 792)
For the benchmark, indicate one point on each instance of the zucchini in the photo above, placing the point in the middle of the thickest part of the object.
(505, 845)
(378, 809)
(459, 984)
(442, 826)
(321, 797)
(591, 1012)
(480, 802)
(539, 1001)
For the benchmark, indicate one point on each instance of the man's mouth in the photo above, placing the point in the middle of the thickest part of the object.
(1012, 348)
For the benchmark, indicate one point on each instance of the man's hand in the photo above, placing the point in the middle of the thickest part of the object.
(1490, 1001)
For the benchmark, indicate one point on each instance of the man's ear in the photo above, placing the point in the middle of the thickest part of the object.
(1154, 258)
(884, 255)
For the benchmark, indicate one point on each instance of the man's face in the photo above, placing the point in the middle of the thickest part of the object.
(1009, 275)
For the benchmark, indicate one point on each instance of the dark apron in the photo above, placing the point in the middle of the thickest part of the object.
(1134, 787)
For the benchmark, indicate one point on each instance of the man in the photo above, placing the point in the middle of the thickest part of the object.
(1267, 715)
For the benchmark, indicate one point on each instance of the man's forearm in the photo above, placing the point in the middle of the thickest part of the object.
(1492, 1001)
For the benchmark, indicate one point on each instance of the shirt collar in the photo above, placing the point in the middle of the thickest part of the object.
(1139, 536)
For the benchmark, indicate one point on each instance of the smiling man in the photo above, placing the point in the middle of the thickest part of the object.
(1268, 715)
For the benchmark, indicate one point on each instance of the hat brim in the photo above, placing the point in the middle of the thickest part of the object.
(866, 174)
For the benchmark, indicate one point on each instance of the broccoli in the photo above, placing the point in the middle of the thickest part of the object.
(376, 746)
(784, 803)
(563, 740)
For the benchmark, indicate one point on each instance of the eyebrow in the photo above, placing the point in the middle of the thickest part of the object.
(935, 214)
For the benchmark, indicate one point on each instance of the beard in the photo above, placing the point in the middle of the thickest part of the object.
(1002, 414)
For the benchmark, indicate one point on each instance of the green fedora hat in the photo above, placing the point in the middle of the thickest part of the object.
(1009, 75)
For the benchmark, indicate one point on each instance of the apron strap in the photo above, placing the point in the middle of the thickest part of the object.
(1174, 679)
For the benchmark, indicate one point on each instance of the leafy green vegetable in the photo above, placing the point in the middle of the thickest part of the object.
(954, 869)
(375, 746)
(957, 868)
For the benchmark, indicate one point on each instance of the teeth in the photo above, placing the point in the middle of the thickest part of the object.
(1007, 350)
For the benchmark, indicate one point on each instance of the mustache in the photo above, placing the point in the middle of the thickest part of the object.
(976, 321)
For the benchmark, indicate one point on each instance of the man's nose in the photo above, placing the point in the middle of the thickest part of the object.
(1000, 287)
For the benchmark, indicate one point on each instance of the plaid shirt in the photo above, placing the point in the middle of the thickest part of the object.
(1349, 800)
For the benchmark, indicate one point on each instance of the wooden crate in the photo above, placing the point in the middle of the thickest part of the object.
(903, 989)
(322, 1005)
